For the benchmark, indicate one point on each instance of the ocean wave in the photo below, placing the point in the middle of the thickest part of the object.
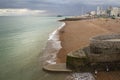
(52, 47)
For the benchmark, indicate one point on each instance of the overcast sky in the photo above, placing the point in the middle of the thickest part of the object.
(53, 7)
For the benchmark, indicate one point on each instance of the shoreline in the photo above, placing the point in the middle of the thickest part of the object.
(77, 34)
(56, 54)
(58, 45)
(53, 46)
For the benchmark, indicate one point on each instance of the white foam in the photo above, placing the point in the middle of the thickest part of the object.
(51, 62)
(53, 46)
(55, 34)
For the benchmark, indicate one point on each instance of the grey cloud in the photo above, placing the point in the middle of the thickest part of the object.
(65, 7)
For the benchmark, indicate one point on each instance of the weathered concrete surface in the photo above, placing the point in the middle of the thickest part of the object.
(60, 67)
(105, 44)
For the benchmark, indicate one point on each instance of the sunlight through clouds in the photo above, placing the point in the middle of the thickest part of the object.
(20, 12)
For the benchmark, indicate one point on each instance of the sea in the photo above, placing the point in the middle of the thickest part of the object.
(22, 40)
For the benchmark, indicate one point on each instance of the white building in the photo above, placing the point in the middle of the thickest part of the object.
(115, 11)
(118, 12)
(93, 13)
(103, 12)
(99, 10)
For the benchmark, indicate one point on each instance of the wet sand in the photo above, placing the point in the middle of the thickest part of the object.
(76, 35)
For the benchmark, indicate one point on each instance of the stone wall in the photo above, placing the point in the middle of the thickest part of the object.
(105, 44)
(91, 61)
(103, 51)
(94, 58)
(76, 60)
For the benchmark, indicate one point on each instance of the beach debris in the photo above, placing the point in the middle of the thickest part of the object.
(107, 68)
(80, 76)
(96, 72)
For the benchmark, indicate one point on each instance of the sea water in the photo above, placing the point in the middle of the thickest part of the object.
(22, 40)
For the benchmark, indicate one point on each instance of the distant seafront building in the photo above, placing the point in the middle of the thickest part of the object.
(115, 11)
(111, 11)
(100, 11)
(93, 13)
